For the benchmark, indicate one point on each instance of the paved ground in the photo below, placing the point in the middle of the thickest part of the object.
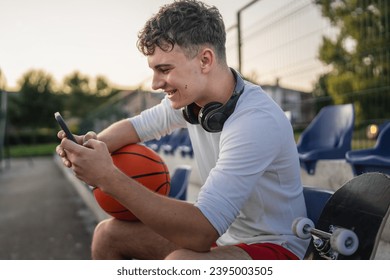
(42, 217)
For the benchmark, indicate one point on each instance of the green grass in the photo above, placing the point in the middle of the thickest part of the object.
(49, 149)
(32, 150)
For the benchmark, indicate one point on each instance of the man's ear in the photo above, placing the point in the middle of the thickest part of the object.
(207, 59)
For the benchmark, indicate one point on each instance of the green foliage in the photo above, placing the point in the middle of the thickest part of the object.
(36, 101)
(34, 104)
(359, 53)
(32, 150)
(82, 95)
(31, 110)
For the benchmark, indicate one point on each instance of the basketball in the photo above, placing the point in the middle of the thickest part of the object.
(142, 164)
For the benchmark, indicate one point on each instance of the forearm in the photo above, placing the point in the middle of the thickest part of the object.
(178, 221)
(118, 135)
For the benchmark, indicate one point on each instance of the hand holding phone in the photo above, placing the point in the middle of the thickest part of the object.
(64, 127)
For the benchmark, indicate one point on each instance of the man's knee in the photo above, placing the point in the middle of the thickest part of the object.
(102, 230)
(185, 254)
(218, 253)
(102, 238)
(180, 254)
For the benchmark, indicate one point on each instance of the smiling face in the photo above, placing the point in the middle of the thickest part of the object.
(182, 78)
(183, 43)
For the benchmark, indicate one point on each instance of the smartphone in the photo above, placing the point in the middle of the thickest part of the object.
(64, 127)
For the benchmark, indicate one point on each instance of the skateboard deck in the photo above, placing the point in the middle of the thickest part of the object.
(360, 207)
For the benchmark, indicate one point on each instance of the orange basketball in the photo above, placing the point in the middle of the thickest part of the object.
(143, 165)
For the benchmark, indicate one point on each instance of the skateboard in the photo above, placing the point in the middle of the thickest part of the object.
(351, 222)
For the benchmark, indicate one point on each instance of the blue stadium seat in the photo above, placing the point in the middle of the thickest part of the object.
(186, 148)
(315, 201)
(179, 182)
(176, 139)
(155, 144)
(376, 159)
(328, 136)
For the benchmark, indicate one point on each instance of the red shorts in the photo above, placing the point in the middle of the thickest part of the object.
(266, 251)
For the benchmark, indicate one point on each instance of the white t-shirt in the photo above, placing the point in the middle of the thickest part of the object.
(250, 171)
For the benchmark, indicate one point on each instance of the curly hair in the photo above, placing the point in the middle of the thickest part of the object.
(190, 24)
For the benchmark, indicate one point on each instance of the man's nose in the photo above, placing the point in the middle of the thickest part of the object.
(157, 83)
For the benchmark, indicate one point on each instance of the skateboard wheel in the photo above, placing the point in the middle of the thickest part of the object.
(301, 227)
(344, 241)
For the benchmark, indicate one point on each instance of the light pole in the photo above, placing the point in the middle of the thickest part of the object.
(239, 37)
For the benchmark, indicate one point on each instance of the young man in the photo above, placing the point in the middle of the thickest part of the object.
(242, 141)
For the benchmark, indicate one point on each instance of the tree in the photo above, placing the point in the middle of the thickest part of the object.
(102, 86)
(33, 107)
(82, 94)
(36, 101)
(358, 54)
(78, 94)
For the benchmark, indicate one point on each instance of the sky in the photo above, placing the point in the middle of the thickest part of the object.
(94, 37)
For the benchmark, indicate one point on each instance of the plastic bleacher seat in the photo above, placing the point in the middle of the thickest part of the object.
(315, 201)
(186, 148)
(155, 144)
(328, 136)
(376, 159)
(179, 182)
(176, 139)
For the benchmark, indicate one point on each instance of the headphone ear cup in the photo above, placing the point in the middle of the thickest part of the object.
(190, 113)
(210, 117)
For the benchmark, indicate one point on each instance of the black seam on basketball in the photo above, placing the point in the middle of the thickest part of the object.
(148, 174)
(161, 186)
(137, 154)
(167, 176)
